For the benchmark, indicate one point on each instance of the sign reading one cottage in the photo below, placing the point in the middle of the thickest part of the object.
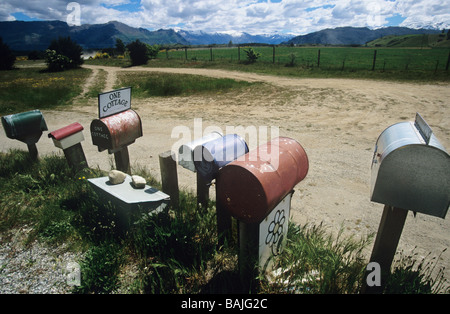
(114, 102)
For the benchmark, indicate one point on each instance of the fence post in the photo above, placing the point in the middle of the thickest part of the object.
(210, 51)
(169, 177)
(374, 60)
(239, 53)
(185, 52)
(448, 62)
(273, 54)
(318, 59)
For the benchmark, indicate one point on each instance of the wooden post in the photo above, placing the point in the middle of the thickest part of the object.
(123, 160)
(75, 157)
(248, 255)
(223, 221)
(386, 242)
(32, 149)
(239, 53)
(210, 52)
(202, 192)
(374, 60)
(169, 176)
(273, 54)
(185, 52)
(318, 59)
(448, 62)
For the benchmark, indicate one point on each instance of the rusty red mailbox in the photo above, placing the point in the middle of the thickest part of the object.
(256, 189)
(114, 133)
(69, 139)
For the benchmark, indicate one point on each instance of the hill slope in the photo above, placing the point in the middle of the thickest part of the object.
(425, 40)
(23, 36)
(353, 35)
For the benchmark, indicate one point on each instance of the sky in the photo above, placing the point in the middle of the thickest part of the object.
(235, 16)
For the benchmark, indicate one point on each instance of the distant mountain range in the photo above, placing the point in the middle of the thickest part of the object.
(27, 36)
(354, 35)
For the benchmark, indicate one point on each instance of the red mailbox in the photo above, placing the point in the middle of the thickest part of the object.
(252, 185)
(117, 131)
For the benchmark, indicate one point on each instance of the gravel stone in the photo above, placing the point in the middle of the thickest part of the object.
(35, 268)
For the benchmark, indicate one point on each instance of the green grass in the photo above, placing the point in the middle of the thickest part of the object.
(32, 88)
(175, 251)
(163, 84)
(398, 64)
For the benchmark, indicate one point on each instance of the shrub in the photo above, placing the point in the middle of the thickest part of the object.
(63, 54)
(138, 52)
(7, 58)
(252, 55)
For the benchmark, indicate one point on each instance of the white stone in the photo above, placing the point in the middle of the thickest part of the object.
(138, 182)
(116, 177)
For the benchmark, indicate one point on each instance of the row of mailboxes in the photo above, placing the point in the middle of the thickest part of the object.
(113, 133)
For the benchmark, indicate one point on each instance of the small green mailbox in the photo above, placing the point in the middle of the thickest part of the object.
(26, 127)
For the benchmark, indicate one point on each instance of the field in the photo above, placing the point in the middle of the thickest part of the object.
(336, 120)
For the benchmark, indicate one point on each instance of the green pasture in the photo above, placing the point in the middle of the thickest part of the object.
(331, 58)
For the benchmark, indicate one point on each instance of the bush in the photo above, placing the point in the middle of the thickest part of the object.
(7, 58)
(63, 54)
(252, 55)
(138, 52)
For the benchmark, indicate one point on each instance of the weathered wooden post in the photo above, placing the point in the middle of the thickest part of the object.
(256, 189)
(117, 127)
(69, 139)
(169, 176)
(26, 127)
(410, 171)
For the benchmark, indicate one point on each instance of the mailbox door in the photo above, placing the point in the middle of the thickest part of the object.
(251, 186)
(100, 134)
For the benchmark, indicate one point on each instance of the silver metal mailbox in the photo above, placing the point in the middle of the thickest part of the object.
(186, 151)
(411, 169)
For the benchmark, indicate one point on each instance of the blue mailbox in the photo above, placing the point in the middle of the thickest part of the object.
(213, 155)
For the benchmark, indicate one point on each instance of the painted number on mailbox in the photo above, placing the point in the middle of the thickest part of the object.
(114, 102)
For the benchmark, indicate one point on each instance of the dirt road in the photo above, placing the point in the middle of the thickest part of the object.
(337, 121)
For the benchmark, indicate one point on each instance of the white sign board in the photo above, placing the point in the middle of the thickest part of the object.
(114, 102)
(273, 232)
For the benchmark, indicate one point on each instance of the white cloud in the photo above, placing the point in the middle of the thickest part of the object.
(252, 16)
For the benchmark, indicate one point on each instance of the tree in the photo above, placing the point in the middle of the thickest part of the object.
(120, 46)
(138, 52)
(63, 54)
(153, 51)
(252, 55)
(7, 58)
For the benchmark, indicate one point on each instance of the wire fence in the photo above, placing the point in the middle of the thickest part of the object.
(329, 58)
